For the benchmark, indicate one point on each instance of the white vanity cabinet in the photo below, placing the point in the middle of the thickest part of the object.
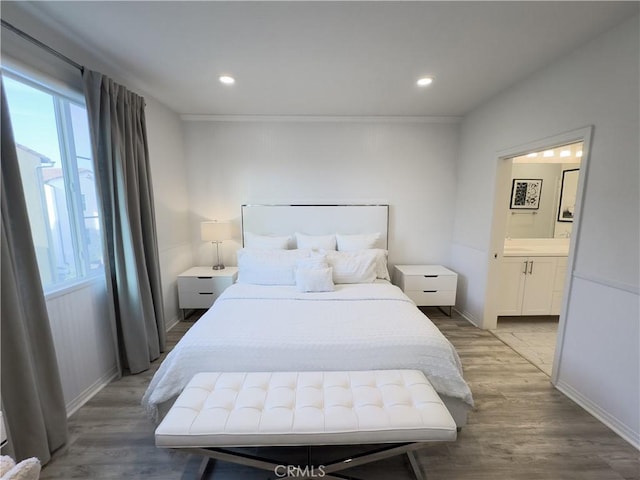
(558, 285)
(529, 285)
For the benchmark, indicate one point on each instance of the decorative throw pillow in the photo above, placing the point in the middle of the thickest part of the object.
(314, 260)
(314, 279)
(6, 464)
(268, 267)
(28, 469)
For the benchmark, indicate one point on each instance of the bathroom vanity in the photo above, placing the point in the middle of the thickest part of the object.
(532, 273)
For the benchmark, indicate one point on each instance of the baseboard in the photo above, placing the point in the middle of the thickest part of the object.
(468, 317)
(174, 321)
(605, 417)
(74, 405)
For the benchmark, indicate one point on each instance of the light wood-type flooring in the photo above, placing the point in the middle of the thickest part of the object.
(533, 338)
(521, 428)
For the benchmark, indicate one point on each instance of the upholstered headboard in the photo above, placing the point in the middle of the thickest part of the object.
(316, 220)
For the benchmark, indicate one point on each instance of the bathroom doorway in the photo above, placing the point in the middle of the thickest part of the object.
(544, 186)
(538, 194)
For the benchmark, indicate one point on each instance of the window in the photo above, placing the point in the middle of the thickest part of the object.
(51, 132)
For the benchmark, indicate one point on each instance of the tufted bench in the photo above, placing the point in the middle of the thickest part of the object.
(216, 411)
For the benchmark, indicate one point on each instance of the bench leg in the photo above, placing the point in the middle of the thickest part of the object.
(415, 466)
(205, 467)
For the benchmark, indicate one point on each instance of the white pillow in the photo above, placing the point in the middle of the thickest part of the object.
(349, 243)
(314, 279)
(382, 270)
(353, 267)
(268, 266)
(314, 260)
(322, 242)
(253, 240)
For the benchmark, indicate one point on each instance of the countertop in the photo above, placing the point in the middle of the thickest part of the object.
(536, 247)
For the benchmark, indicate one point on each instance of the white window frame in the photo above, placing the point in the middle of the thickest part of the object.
(63, 98)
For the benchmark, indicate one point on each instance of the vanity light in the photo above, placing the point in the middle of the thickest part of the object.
(532, 155)
(548, 153)
(579, 153)
(227, 80)
(424, 81)
(565, 153)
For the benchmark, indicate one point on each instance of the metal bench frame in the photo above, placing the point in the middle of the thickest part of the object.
(379, 452)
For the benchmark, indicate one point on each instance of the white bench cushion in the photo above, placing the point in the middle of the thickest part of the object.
(305, 408)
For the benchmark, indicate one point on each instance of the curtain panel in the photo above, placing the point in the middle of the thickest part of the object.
(121, 157)
(32, 397)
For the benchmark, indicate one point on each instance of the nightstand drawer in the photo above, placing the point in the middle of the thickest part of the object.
(432, 298)
(196, 284)
(429, 282)
(197, 300)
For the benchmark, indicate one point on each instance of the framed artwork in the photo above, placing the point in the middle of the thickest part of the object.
(568, 190)
(525, 194)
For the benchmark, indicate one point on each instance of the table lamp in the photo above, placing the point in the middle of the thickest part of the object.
(216, 232)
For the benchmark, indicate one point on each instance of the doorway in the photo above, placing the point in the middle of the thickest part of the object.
(535, 228)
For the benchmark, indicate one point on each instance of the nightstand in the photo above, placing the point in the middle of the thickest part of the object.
(199, 287)
(427, 285)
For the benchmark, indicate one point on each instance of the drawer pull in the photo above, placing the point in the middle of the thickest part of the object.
(430, 291)
(430, 276)
(208, 278)
(205, 293)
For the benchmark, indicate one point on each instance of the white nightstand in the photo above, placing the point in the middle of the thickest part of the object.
(428, 285)
(199, 287)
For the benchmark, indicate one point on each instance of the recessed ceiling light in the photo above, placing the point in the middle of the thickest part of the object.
(424, 81)
(227, 80)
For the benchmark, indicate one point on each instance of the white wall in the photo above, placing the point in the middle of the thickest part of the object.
(82, 335)
(595, 85)
(410, 165)
(171, 199)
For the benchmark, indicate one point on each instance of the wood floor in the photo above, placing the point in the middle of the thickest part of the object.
(532, 337)
(521, 428)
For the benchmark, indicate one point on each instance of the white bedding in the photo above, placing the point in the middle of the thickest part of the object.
(276, 328)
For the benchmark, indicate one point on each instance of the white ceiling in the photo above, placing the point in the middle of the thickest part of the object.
(329, 58)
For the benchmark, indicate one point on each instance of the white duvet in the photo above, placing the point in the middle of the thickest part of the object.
(276, 328)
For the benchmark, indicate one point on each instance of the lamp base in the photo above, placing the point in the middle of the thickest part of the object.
(218, 267)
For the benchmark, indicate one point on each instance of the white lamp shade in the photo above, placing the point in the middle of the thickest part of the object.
(215, 231)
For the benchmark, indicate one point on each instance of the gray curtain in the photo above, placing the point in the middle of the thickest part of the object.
(32, 399)
(121, 156)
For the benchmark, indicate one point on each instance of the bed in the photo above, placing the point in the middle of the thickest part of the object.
(267, 322)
